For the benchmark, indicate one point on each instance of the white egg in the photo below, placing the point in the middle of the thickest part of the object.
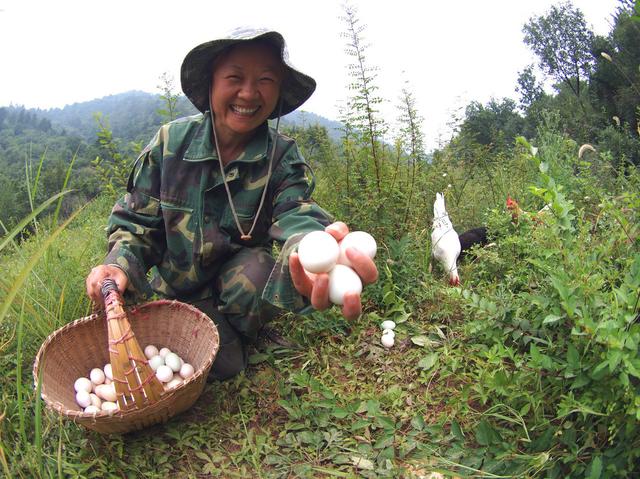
(82, 398)
(173, 361)
(156, 361)
(387, 340)
(173, 383)
(360, 240)
(106, 392)
(91, 409)
(95, 400)
(318, 252)
(164, 351)
(109, 406)
(108, 371)
(97, 376)
(389, 332)
(187, 370)
(164, 373)
(388, 324)
(150, 351)
(343, 280)
(82, 384)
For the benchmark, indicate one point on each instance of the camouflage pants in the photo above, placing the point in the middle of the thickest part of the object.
(238, 309)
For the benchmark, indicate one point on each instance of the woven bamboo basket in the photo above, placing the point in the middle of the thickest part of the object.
(73, 350)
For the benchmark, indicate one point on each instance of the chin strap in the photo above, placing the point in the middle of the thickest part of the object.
(244, 236)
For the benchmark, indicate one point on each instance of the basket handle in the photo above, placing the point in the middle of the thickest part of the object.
(108, 285)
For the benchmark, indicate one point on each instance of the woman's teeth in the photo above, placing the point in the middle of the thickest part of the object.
(244, 111)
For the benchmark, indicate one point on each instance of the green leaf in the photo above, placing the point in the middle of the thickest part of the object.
(420, 340)
(258, 358)
(418, 423)
(428, 361)
(340, 413)
(362, 463)
(595, 468)
(573, 357)
(456, 430)
(551, 318)
(384, 442)
(484, 433)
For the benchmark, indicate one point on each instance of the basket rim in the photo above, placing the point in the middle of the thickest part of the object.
(167, 396)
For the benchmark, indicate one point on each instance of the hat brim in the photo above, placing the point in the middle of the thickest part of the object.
(195, 73)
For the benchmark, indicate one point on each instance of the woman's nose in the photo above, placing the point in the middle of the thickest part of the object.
(249, 90)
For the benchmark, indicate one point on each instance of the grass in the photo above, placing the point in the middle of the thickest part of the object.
(487, 380)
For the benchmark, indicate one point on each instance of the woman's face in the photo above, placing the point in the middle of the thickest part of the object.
(246, 86)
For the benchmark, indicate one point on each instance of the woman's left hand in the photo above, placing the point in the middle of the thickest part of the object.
(316, 286)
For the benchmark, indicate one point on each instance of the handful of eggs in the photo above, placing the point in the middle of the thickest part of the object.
(98, 393)
(319, 252)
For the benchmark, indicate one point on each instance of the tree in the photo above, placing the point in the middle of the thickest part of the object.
(616, 77)
(529, 88)
(410, 140)
(562, 42)
(495, 124)
(362, 105)
(169, 97)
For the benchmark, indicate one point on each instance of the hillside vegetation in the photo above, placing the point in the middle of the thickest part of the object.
(530, 368)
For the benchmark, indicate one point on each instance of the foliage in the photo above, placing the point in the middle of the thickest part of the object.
(495, 125)
(169, 97)
(112, 166)
(616, 79)
(562, 42)
(560, 298)
(529, 88)
(362, 117)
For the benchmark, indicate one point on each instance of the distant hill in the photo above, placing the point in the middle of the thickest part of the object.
(133, 116)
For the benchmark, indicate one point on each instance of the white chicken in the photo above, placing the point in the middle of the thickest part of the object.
(445, 243)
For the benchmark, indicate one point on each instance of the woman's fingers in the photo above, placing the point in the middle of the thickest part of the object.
(301, 281)
(313, 286)
(351, 307)
(320, 293)
(363, 265)
(338, 230)
(94, 280)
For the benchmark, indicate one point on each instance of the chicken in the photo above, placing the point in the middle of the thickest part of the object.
(445, 243)
(514, 207)
(516, 211)
(471, 238)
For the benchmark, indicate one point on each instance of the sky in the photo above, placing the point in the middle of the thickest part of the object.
(446, 53)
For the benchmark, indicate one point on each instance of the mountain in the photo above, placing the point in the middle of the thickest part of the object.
(133, 116)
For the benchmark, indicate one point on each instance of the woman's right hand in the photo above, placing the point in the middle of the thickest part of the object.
(98, 275)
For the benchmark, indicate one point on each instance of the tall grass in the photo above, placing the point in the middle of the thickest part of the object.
(486, 380)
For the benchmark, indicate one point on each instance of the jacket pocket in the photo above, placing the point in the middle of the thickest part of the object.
(182, 232)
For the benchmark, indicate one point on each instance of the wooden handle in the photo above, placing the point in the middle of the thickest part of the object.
(108, 285)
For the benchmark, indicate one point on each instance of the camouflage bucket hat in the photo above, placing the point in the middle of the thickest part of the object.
(195, 73)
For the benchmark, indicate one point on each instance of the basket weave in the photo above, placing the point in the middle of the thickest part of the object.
(73, 350)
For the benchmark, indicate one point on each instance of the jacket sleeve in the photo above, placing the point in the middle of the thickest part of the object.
(294, 214)
(135, 228)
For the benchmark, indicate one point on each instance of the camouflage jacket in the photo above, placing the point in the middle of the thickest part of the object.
(176, 219)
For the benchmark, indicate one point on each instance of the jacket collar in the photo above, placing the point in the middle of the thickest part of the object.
(202, 147)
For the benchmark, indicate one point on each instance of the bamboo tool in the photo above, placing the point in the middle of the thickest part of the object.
(135, 382)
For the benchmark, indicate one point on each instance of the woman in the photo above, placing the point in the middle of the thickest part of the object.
(211, 192)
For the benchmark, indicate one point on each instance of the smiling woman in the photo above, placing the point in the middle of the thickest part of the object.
(245, 88)
(211, 193)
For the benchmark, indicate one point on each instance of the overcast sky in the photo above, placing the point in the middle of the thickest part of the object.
(54, 53)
